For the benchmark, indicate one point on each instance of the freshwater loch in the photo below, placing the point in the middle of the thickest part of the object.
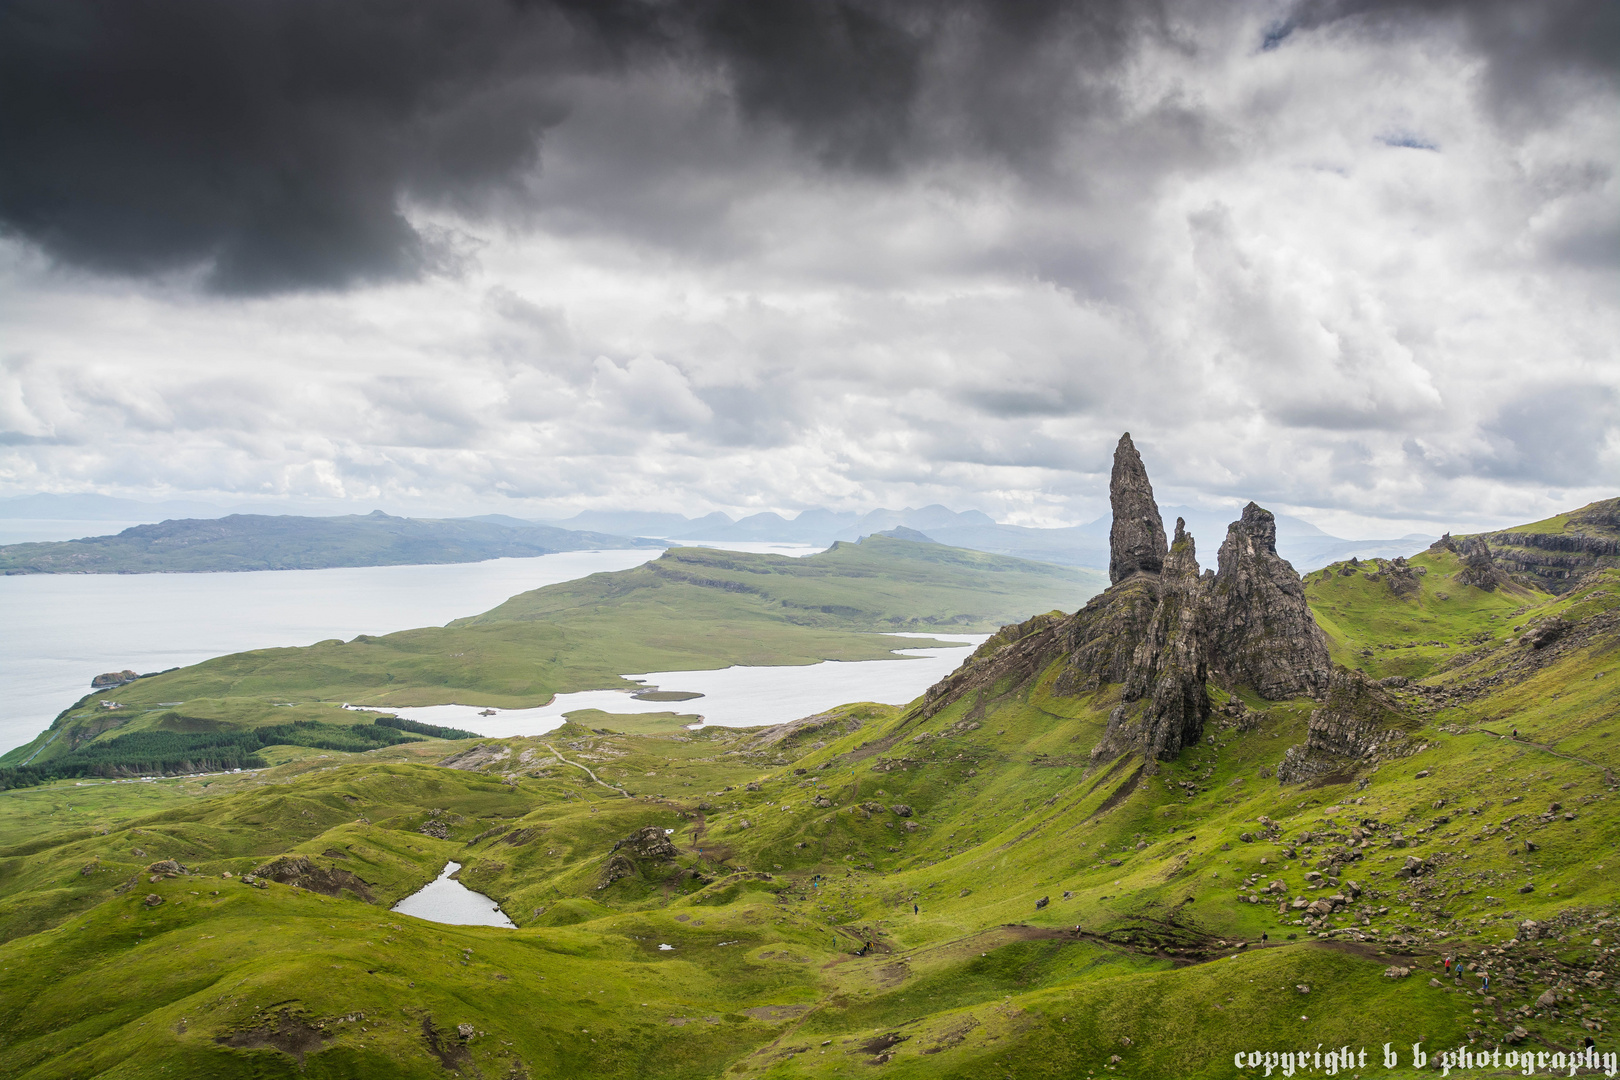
(446, 900)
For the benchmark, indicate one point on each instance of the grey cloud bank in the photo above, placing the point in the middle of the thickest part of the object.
(1356, 261)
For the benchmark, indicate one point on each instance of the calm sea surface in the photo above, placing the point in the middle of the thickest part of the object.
(57, 632)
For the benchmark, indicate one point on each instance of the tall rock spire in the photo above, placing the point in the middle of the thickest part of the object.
(1136, 541)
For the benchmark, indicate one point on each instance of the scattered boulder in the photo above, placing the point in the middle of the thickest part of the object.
(901, 810)
(1395, 971)
(152, 900)
(1548, 999)
(1412, 867)
(1042, 902)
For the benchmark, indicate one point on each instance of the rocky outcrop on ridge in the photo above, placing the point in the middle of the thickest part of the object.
(1136, 540)
(1261, 630)
(1162, 630)
(1479, 569)
(305, 873)
(647, 842)
(1357, 723)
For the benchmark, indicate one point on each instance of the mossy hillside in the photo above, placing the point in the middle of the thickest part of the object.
(1383, 630)
(978, 980)
(690, 609)
(1018, 991)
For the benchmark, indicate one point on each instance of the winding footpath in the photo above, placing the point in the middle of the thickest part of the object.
(588, 772)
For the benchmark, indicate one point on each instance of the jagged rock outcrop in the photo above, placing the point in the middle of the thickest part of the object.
(1164, 702)
(113, 679)
(1478, 569)
(1261, 631)
(647, 842)
(305, 873)
(1356, 724)
(1136, 540)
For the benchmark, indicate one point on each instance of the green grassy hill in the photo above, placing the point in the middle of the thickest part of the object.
(1028, 915)
(286, 542)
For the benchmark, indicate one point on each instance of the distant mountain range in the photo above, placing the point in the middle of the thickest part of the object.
(259, 542)
(459, 539)
(1300, 542)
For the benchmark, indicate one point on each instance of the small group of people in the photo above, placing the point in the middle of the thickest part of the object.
(1484, 976)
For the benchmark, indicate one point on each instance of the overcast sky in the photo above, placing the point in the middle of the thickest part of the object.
(1354, 260)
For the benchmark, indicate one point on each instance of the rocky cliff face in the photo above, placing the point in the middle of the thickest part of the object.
(1161, 632)
(1164, 702)
(1136, 540)
(1357, 723)
(1261, 630)
(1555, 560)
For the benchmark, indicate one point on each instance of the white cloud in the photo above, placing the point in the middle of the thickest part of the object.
(1327, 276)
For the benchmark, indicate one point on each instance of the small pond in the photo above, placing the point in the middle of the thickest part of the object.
(446, 900)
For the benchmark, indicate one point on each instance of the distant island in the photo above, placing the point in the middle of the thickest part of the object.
(262, 542)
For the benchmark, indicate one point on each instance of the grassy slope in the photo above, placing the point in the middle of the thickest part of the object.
(692, 608)
(258, 542)
(979, 982)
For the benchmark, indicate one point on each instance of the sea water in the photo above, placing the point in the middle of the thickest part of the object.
(59, 631)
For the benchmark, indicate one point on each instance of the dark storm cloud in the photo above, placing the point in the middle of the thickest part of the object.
(272, 139)
(274, 142)
(1531, 47)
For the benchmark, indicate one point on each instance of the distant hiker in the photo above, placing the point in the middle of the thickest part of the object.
(1515, 733)
(914, 909)
(1264, 938)
(1448, 965)
(1484, 982)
